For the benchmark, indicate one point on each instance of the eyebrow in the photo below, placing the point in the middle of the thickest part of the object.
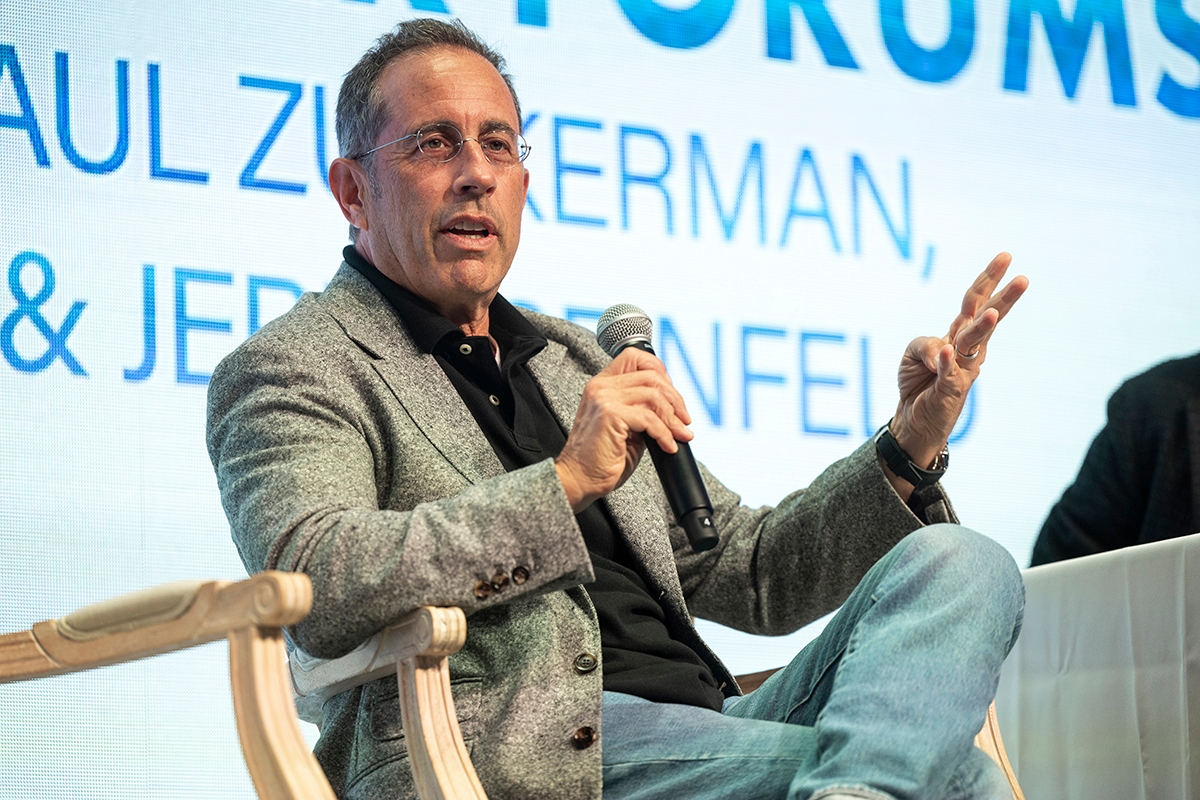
(489, 126)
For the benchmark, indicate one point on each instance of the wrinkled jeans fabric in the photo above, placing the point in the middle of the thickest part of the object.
(883, 705)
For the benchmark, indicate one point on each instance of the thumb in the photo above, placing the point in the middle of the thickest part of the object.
(945, 362)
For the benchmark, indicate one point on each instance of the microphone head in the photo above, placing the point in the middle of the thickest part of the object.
(622, 325)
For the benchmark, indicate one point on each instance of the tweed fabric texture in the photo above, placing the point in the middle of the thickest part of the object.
(344, 452)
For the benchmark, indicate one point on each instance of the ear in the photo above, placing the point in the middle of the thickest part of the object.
(351, 187)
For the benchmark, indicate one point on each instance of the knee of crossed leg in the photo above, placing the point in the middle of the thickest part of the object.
(977, 564)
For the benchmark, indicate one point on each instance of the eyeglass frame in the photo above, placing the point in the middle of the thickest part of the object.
(523, 147)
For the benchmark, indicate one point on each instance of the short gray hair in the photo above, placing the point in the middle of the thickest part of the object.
(362, 111)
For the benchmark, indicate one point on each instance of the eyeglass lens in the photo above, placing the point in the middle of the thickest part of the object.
(444, 142)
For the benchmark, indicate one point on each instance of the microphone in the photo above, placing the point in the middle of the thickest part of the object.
(626, 325)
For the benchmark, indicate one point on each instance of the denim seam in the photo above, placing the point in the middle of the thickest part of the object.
(714, 757)
(834, 664)
(1020, 622)
(846, 651)
(850, 791)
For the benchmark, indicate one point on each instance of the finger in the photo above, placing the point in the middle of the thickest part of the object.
(619, 408)
(946, 363)
(633, 359)
(983, 287)
(649, 398)
(926, 349)
(652, 425)
(980, 292)
(658, 381)
(1004, 300)
(919, 364)
(976, 335)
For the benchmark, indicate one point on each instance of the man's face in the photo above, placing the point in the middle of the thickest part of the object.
(446, 231)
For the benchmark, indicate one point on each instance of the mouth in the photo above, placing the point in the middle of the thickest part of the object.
(473, 229)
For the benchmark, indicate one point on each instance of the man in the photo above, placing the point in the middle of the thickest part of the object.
(407, 437)
(1138, 481)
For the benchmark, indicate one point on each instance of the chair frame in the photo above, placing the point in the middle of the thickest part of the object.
(250, 614)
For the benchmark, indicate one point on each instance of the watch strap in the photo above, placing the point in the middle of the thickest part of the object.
(902, 464)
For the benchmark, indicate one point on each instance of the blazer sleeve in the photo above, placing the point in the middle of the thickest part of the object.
(777, 569)
(306, 472)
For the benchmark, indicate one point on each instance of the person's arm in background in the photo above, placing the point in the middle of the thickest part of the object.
(1105, 506)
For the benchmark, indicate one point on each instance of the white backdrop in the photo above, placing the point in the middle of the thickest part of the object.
(793, 190)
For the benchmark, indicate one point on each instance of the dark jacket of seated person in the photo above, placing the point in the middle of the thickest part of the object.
(1139, 481)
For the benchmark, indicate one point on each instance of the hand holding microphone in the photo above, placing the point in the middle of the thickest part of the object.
(628, 406)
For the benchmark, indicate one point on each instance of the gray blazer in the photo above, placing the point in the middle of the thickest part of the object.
(344, 452)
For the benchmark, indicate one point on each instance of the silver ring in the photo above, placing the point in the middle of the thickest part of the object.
(966, 357)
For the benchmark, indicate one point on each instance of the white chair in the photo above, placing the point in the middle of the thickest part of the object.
(1101, 695)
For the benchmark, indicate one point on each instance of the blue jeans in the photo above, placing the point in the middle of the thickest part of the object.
(884, 704)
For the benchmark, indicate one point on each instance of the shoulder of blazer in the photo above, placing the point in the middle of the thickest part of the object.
(365, 315)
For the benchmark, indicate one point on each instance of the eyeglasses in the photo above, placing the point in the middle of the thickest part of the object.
(502, 147)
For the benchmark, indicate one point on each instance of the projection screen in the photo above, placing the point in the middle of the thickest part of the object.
(793, 189)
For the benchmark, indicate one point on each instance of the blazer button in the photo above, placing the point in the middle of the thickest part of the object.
(583, 738)
(499, 581)
(483, 590)
(585, 663)
(520, 575)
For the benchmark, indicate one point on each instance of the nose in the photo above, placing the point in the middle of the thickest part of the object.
(476, 175)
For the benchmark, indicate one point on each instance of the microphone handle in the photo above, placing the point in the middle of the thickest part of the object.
(680, 478)
(685, 490)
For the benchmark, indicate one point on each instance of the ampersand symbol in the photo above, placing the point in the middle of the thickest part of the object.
(27, 308)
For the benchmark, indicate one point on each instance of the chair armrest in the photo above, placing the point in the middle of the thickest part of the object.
(988, 740)
(249, 613)
(1102, 689)
(415, 649)
(151, 622)
(428, 631)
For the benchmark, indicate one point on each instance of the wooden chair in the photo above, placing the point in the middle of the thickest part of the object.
(250, 614)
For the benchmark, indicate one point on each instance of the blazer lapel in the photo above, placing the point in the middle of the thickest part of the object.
(415, 378)
(636, 505)
(433, 404)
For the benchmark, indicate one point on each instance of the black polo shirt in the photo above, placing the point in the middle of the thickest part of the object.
(639, 657)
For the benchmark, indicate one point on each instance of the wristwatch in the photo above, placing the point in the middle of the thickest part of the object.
(902, 464)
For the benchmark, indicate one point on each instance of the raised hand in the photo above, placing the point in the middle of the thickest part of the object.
(936, 373)
(629, 397)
